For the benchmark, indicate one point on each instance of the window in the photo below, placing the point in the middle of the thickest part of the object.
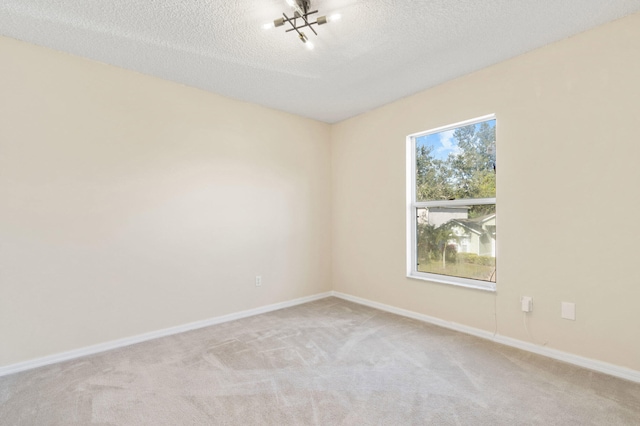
(451, 192)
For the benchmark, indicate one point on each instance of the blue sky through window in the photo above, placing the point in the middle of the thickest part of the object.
(442, 143)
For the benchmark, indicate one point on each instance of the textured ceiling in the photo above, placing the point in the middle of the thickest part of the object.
(380, 51)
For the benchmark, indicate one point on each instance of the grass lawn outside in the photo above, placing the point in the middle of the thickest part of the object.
(458, 269)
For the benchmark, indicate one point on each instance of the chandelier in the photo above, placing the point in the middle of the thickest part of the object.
(300, 20)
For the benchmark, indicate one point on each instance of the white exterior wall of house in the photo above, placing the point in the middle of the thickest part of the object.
(471, 242)
(488, 247)
(465, 243)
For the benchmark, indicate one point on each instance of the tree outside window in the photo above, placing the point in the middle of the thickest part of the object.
(453, 205)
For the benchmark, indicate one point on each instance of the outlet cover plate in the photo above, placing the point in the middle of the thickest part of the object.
(569, 311)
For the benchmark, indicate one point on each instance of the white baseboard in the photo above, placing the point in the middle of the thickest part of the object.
(595, 365)
(114, 344)
(591, 364)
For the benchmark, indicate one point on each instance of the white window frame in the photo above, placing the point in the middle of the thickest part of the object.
(412, 213)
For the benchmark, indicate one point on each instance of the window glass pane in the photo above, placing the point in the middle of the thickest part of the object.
(457, 241)
(457, 163)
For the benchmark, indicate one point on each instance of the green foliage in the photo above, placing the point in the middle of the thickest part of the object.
(427, 241)
(481, 210)
(469, 173)
(434, 242)
(451, 253)
(475, 259)
(433, 176)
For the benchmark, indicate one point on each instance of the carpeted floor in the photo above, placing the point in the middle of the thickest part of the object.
(328, 362)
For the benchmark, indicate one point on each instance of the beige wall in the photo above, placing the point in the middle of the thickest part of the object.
(129, 204)
(568, 147)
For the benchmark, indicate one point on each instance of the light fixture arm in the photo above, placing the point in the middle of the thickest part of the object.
(295, 27)
(301, 11)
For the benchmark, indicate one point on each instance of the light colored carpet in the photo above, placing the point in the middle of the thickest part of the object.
(328, 362)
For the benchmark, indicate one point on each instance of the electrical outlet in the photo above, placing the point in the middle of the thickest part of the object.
(258, 280)
(526, 303)
(568, 311)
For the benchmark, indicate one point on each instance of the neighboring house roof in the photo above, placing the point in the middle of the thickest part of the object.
(477, 224)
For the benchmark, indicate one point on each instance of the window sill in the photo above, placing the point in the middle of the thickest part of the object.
(460, 282)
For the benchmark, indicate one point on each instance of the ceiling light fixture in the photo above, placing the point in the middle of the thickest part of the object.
(301, 12)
